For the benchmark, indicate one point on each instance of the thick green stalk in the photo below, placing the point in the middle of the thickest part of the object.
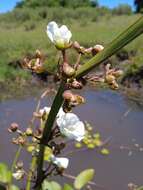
(33, 163)
(127, 36)
(123, 39)
(57, 103)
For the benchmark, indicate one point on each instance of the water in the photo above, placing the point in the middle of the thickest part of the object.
(112, 115)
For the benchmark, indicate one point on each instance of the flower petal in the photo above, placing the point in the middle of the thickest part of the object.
(60, 162)
(67, 119)
(51, 28)
(65, 33)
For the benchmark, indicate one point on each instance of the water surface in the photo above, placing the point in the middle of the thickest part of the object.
(112, 115)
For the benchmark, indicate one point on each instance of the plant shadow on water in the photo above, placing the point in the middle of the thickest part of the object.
(109, 113)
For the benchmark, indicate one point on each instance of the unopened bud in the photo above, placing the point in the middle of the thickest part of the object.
(80, 99)
(88, 50)
(19, 165)
(13, 127)
(67, 95)
(76, 45)
(118, 73)
(110, 78)
(21, 141)
(68, 71)
(38, 54)
(76, 84)
(114, 85)
(96, 49)
(80, 49)
(29, 131)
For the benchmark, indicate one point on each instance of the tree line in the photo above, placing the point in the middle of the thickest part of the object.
(69, 3)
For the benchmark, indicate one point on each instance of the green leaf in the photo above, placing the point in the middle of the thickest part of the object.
(83, 178)
(5, 174)
(67, 187)
(50, 185)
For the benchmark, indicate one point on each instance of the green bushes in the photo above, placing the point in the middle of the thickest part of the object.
(56, 3)
(122, 9)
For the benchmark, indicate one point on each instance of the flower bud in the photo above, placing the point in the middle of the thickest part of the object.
(109, 78)
(80, 99)
(114, 85)
(21, 141)
(118, 73)
(38, 54)
(19, 165)
(76, 84)
(80, 49)
(88, 50)
(96, 49)
(13, 127)
(76, 45)
(67, 95)
(68, 71)
(29, 131)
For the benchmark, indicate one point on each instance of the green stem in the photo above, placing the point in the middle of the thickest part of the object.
(14, 164)
(57, 103)
(34, 159)
(32, 167)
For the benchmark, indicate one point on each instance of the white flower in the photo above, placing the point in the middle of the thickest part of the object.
(71, 126)
(45, 110)
(60, 113)
(19, 174)
(60, 162)
(60, 36)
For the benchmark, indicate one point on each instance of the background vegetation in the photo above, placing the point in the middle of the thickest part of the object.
(23, 30)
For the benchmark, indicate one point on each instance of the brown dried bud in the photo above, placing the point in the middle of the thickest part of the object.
(80, 49)
(38, 54)
(62, 145)
(114, 85)
(68, 95)
(21, 140)
(118, 73)
(68, 71)
(80, 99)
(13, 127)
(110, 79)
(76, 45)
(76, 84)
(88, 50)
(29, 131)
(96, 49)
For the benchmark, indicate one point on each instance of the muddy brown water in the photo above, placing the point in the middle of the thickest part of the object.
(112, 115)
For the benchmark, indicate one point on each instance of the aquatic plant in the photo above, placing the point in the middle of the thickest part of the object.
(58, 123)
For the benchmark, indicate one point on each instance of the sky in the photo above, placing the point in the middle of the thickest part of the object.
(7, 5)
